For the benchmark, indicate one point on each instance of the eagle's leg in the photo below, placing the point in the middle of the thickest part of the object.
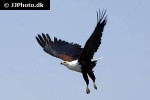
(92, 76)
(85, 76)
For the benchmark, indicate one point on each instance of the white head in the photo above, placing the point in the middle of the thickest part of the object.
(66, 63)
(73, 65)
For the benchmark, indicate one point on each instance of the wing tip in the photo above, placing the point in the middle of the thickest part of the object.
(101, 16)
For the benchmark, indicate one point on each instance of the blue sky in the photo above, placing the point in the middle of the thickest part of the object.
(28, 73)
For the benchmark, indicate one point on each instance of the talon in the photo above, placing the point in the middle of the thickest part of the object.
(95, 87)
(87, 90)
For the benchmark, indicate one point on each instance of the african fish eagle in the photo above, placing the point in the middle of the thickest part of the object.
(74, 57)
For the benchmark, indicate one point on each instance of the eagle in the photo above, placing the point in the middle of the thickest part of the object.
(73, 55)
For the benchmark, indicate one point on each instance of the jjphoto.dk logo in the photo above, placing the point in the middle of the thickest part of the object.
(25, 5)
(40, 4)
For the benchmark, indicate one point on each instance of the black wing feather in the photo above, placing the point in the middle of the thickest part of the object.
(58, 48)
(94, 41)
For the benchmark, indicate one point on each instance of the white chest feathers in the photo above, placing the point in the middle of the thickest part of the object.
(74, 65)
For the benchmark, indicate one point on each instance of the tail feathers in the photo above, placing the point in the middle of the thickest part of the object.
(97, 59)
(94, 62)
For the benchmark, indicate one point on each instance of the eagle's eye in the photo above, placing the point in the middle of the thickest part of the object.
(64, 61)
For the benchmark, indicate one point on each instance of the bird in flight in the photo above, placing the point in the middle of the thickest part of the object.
(73, 55)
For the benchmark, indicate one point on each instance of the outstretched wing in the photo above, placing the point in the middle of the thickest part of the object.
(58, 48)
(94, 41)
